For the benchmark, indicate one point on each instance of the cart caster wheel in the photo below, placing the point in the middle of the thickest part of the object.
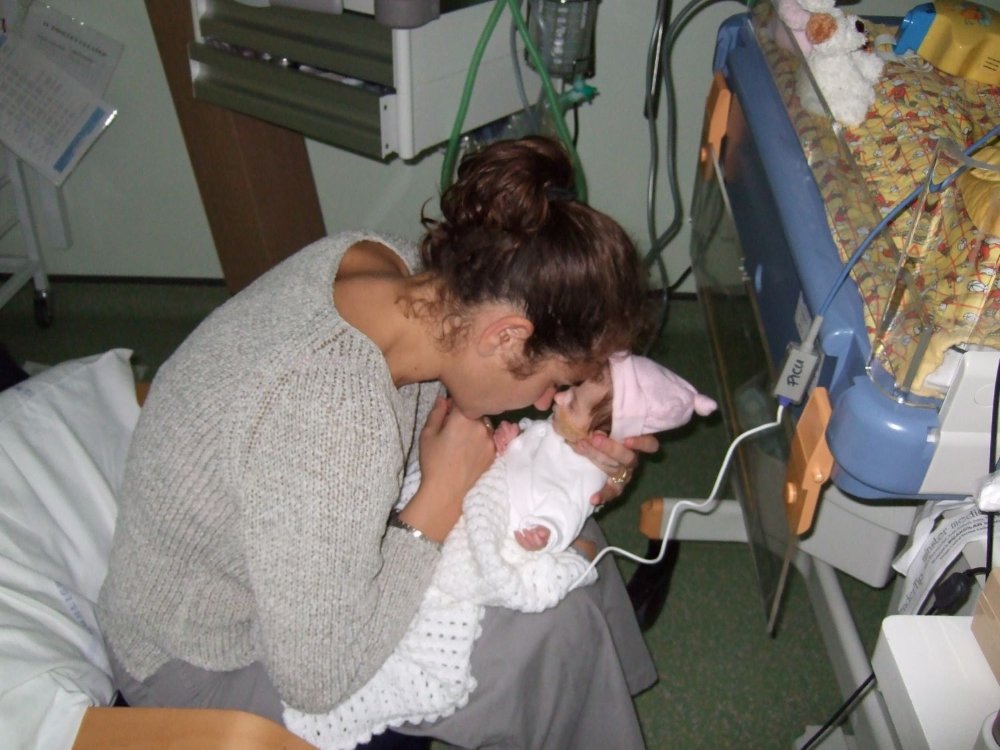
(43, 308)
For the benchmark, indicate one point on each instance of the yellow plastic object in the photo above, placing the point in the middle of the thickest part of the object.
(809, 463)
(714, 126)
(981, 191)
(964, 40)
(651, 518)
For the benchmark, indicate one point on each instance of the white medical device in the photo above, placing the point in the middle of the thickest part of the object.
(335, 71)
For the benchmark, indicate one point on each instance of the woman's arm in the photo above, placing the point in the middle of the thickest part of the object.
(454, 452)
(333, 589)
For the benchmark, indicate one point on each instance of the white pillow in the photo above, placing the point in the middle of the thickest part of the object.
(64, 434)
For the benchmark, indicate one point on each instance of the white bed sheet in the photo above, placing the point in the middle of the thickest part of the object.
(64, 434)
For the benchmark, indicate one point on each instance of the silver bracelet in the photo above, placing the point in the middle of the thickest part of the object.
(399, 523)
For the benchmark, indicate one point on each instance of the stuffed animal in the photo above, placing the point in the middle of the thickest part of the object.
(843, 66)
(792, 16)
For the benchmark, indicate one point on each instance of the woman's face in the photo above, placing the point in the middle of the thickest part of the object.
(480, 373)
(490, 388)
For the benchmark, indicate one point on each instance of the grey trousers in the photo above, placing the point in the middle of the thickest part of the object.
(178, 684)
(559, 679)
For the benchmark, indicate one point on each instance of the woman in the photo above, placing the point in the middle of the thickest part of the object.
(256, 558)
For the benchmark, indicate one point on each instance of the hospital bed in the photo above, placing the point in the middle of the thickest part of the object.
(907, 349)
(64, 434)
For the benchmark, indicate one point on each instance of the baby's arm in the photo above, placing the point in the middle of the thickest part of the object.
(504, 433)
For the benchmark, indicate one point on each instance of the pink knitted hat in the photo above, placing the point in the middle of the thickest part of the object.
(650, 398)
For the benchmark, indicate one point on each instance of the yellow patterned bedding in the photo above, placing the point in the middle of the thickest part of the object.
(939, 287)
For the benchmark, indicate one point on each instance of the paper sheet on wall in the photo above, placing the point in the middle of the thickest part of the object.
(940, 536)
(80, 50)
(47, 117)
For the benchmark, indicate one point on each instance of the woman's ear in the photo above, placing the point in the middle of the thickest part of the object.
(505, 334)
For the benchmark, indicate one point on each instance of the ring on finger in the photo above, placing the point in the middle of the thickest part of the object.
(488, 423)
(620, 478)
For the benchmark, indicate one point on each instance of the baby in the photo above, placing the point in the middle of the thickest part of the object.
(549, 485)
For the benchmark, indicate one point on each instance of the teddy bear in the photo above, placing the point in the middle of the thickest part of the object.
(789, 26)
(843, 66)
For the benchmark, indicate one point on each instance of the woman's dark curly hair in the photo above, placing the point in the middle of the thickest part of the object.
(512, 232)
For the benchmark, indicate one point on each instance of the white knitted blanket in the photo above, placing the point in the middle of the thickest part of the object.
(429, 675)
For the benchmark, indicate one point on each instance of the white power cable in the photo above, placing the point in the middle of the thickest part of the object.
(704, 506)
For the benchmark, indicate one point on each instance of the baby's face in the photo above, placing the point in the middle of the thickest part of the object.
(573, 408)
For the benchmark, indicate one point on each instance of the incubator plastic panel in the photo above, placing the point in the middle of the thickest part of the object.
(744, 372)
(804, 193)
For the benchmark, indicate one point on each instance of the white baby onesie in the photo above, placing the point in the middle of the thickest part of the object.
(549, 485)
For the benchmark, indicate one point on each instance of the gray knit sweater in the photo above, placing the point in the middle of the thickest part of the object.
(253, 509)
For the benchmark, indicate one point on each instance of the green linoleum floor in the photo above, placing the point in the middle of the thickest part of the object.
(724, 683)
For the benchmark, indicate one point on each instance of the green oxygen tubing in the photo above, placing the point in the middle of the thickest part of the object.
(451, 154)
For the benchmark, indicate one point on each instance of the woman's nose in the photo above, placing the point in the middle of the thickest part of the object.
(544, 402)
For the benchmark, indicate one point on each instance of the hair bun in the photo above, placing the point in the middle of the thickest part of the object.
(509, 185)
(514, 231)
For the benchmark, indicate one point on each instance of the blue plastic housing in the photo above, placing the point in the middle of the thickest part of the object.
(914, 28)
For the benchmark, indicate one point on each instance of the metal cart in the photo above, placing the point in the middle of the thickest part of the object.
(29, 266)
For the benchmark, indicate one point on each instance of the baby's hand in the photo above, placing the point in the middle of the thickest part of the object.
(503, 434)
(533, 538)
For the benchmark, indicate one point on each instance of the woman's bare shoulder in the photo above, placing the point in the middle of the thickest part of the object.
(367, 286)
(370, 257)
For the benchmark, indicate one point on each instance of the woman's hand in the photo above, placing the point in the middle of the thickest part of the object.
(454, 453)
(617, 460)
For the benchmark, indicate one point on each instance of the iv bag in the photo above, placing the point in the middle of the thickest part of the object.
(563, 33)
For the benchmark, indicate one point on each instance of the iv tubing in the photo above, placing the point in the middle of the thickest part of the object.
(529, 111)
(451, 155)
(705, 506)
(448, 168)
(889, 217)
(658, 64)
(553, 98)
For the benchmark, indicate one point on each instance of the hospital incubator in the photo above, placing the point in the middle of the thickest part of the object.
(839, 283)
